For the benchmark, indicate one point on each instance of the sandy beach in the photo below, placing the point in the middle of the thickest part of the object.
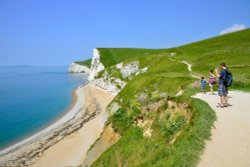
(69, 138)
(230, 141)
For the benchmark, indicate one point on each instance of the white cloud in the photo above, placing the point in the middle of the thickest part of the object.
(234, 28)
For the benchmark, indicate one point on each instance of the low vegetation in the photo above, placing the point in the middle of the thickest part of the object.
(159, 126)
(233, 49)
(86, 63)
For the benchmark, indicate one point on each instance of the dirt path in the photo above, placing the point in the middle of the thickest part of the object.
(230, 142)
(189, 67)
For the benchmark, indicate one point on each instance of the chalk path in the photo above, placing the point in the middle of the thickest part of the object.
(230, 141)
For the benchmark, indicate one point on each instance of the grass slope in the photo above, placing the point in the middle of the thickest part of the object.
(112, 56)
(85, 63)
(233, 49)
(187, 128)
(135, 150)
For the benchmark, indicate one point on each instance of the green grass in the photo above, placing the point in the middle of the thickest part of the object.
(112, 56)
(84, 63)
(169, 77)
(135, 150)
(233, 49)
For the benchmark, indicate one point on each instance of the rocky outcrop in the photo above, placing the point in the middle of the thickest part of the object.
(115, 77)
(77, 68)
(131, 69)
(109, 83)
(96, 65)
(113, 84)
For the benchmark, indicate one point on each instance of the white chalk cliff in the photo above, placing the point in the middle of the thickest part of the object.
(129, 69)
(107, 80)
(77, 68)
(96, 65)
(109, 83)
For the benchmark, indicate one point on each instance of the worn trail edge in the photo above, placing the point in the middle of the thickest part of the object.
(230, 141)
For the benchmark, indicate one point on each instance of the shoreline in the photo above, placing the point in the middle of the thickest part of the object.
(67, 115)
(71, 111)
(68, 109)
(78, 143)
(86, 111)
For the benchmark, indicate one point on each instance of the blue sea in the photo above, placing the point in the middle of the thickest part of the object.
(31, 98)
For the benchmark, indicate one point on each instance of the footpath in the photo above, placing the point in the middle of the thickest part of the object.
(230, 141)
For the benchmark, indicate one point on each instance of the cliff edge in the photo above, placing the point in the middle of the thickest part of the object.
(77, 68)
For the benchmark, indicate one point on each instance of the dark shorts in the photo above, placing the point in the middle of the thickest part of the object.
(222, 91)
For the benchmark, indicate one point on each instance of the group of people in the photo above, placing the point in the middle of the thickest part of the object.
(223, 83)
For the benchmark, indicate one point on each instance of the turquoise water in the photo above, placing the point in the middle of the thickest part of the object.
(31, 98)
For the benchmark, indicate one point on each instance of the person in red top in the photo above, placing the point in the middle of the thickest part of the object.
(212, 81)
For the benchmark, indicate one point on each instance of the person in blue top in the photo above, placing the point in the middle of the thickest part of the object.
(203, 84)
(222, 89)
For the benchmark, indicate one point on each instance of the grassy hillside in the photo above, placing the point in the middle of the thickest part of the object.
(178, 125)
(84, 63)
(112, 56)
(233, 49)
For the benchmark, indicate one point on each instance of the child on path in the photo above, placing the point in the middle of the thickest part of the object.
(203, 84)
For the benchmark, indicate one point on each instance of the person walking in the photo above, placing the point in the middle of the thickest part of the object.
(222, 89)
(212, 81)
(203, 84)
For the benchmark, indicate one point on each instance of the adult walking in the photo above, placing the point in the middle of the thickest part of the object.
(222, 89)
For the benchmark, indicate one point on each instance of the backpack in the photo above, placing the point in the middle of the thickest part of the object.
(212, 81)
(229, 79)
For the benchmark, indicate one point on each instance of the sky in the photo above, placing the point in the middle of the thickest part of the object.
(58, 32)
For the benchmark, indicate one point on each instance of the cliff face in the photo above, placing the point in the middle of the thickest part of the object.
(115, 77)
(77, 68)
(96, 65)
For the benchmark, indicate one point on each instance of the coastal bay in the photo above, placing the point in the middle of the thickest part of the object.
(32, 98)
(83, 128)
